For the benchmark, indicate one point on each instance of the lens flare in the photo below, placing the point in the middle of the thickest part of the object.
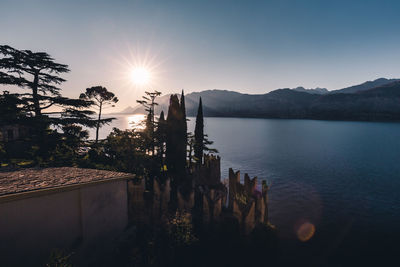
(306, 231)
(140, 76)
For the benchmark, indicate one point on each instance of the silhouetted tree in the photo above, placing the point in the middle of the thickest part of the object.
(39, 73)
(161, 138)
(10, 109)
(176, 146)
(176, 149)
(149, 104)
(11, 113)
(125, 151)
(190, 144)
(74, 135)
(102, 99)
(199, 134)
(184, 120)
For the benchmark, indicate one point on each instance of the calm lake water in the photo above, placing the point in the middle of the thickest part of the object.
(342, 178)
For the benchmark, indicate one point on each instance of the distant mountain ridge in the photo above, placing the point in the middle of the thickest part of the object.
(373, 100)
(365, 86)
(318, 91)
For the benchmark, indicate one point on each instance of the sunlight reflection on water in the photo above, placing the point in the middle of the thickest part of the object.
(122, 122)
(136, 121)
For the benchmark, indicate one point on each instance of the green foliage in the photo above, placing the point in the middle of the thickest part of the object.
(123, 151)
(59, 258)
(242, 199)
(180, 230)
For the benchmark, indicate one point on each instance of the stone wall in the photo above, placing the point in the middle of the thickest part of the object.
(208, 173)
(246, 202)
(206, 200)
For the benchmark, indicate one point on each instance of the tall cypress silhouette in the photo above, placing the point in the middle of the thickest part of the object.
(160, 136)
(199, 134)
(176, 152)
(184, 123)
(176, 149)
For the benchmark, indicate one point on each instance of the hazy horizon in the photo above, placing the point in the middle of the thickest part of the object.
(228, 45)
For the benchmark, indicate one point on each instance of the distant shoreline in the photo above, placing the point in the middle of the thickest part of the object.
(274, 118)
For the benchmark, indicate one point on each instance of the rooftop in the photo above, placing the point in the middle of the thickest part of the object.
(36, 179)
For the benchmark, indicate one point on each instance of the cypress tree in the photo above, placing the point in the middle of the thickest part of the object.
(184, 123)
(161, 135)
(175, 151)
(149, 104)
(199, 134)
(175, 155)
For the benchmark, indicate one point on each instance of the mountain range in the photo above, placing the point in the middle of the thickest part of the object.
(373, 100)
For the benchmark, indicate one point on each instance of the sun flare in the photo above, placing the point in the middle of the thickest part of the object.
(140, 76)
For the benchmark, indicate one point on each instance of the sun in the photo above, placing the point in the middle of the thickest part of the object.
(140, 76)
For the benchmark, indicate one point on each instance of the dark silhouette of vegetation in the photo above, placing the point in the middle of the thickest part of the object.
(10, 109)
(103, 99)
(38, 73)
(149, 104)
(178, 242)
(18, 66)
(190, 144)
(184, 120)
(125, 151)
(162, 150)
(161, 136)
(176, 146)
(199, 135)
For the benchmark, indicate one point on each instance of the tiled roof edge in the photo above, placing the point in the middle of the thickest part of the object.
(58, 189)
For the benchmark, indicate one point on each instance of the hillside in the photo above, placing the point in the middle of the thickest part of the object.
(365, 86)
(377, 103)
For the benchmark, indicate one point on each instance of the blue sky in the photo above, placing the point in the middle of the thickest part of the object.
(246, 46)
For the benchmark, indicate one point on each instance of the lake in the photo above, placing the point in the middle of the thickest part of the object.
(340, 178)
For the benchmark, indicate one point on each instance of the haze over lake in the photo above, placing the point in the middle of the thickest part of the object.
(341, 177)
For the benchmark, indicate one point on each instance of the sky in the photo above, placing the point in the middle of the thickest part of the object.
(247, 46)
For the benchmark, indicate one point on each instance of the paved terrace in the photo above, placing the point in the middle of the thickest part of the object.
(37, 179)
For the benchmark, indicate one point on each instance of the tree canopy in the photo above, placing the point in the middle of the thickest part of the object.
(38, 73)
(102, 99)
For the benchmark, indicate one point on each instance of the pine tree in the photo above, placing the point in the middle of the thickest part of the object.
(102, 99)
(199, 135)
(20, 65)
(39, 74)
